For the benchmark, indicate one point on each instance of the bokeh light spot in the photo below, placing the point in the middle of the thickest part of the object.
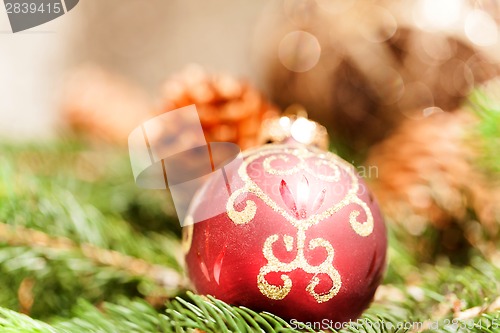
(380, 27)
(299, 51)
(480, 28)
(335, 7)
(438, 14)
(430, 111)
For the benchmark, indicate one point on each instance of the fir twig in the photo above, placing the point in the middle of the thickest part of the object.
(66, 251)
(486, 105)
(63, 238)
(20, 236)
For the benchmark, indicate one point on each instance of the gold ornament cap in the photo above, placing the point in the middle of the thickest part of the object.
(294, 126)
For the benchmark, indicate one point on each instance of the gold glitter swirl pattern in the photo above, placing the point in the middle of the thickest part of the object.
(272, 153)
(327, 178)
(301, 165)
(288, 242)
(244, 216)
(270, 170)
(363, 229)
(276, 266)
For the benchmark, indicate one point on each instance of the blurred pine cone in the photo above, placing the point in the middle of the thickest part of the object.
(230, 110)
(363, 67)
(103, 105)
(427, 175)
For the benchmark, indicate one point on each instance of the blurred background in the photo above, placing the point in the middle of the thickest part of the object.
(140, 42)
(369, 64)
(410, 87)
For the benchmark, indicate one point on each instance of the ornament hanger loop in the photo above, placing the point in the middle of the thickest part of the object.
(294, 127)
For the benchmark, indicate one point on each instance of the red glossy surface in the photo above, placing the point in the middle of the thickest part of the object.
(224, 258)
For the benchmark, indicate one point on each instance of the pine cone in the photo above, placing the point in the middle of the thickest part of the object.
(103, 105)
(369, 76)
(230, 110)
(427, 174)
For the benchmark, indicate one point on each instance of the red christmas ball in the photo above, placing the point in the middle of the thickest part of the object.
(299, 235)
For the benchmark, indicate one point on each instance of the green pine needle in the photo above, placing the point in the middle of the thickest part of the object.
(486, 104)
(84, 196)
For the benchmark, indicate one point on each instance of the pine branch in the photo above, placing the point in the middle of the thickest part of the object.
(198, 313)
(65, 241)
(13, 322)
(21, 236)
(56, 245)
(211, 315)
(486, 104)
